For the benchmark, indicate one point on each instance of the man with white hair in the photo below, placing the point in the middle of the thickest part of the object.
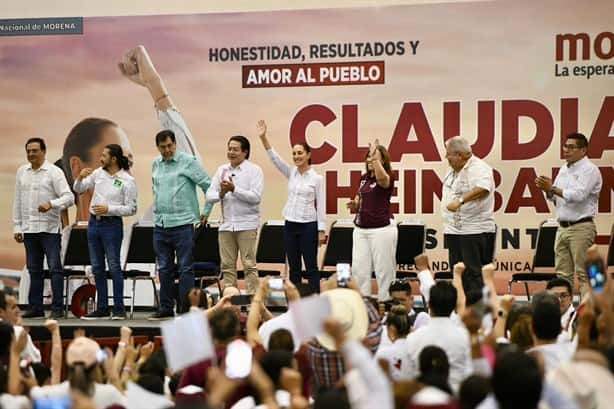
(467, 206)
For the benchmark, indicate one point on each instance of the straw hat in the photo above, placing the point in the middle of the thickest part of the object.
(348, 307)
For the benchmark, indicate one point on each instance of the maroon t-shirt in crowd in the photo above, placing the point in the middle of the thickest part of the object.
(374, 210)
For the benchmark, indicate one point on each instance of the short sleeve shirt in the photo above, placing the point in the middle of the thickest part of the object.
(374, 206)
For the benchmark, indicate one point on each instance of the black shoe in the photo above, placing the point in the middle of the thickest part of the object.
(161, 315)
(33, 314)
(56, 314)
(97, 315)
(119, 315)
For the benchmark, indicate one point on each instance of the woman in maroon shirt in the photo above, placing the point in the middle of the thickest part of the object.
(375, 237)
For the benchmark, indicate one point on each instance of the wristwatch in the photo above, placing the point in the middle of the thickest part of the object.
(461, 200)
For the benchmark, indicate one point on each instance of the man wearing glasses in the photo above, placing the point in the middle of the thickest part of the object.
(575, 193)
(562, 289)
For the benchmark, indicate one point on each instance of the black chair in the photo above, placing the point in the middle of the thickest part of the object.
(410, 243)
(270, 249)
(140, 251)
(76, 258)
(206, 255)
(543, 257)
(338, 247)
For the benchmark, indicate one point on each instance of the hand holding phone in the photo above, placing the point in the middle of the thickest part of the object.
(276, 284)
(241, 299)
(344, 273)
(596, 271)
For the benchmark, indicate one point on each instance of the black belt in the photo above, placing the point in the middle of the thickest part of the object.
(568, 224)
(99, 218)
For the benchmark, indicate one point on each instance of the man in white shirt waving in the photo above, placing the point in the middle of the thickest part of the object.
(41, 193)
(467, 207)
(575, 192)
(114, 196)
(238, 185)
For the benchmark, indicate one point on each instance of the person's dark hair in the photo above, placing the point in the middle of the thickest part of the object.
(6, 337)
(306, 148)
(516, 312)
(473, 390)
(559, 282)
(40, 141)
(434, 368)
(546, 320)
(151, 383)
(304, 290)
(399, 320)
(400, 285)
(580, 139)
(245, 146)
(442, 299)
(520, 333)
(332, 399)
(4, 379)
(281, 339)
(385, 159)
(2, 300)
(41, 372)
(224, 325)
(155, 365)
(117, 152)
(609, 354)
(164, 135)
(272, 363)
(472, 297)
(173, 383)
(81, 378)
(202, 300)
(80, 140)
(516, 381)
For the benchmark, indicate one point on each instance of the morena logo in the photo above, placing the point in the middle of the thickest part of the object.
(571, 45)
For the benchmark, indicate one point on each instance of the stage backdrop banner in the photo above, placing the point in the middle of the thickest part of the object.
(512, 77)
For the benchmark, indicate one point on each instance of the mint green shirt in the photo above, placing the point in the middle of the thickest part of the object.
(174, 184)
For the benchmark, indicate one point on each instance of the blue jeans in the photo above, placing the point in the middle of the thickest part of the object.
(168, 242)
(104, 238)
(39, 245)
(301, 239)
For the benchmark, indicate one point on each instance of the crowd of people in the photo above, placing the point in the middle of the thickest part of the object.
(494, 353)
(468, 349)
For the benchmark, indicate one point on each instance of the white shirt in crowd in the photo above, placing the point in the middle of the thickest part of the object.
(476, 216)
(241, 208)
(36, 187)
(306, 195)
(104, 396)
(567, 319)
(30, 351)
(395, 354)
(421, 319)
(555, 354)
(117, 191)
(452, 338)
(581, 183)
(368, 387)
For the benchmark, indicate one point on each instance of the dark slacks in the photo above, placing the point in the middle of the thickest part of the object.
(301, 239)
(475, 250)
